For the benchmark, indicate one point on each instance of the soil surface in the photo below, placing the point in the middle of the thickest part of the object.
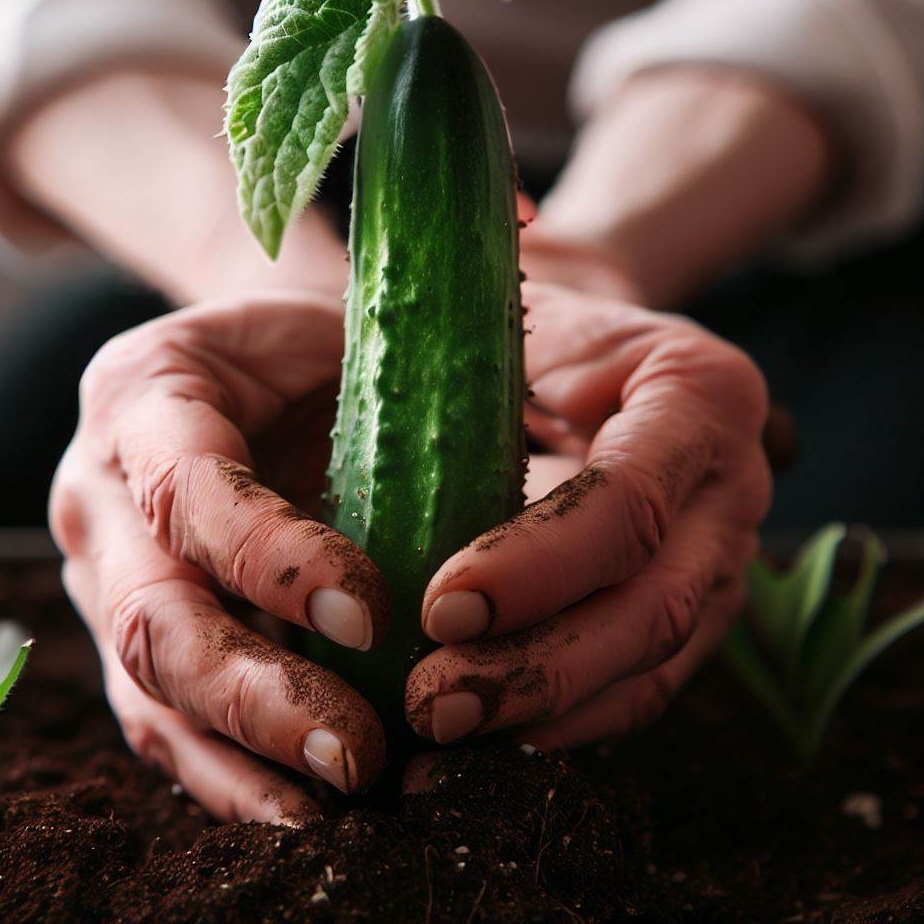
(701, 818)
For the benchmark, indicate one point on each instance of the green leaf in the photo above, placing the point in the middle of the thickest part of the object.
(838, 628)
(384, 18)
(870, 648)
(743, 656)
(784, 606)
(19, 662)
(288, 103)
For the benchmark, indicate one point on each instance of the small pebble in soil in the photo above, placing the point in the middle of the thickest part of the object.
(866, 806)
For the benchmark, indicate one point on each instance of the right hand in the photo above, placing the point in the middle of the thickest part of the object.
(155, 507)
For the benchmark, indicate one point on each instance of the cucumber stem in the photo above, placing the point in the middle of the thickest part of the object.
(428, 8)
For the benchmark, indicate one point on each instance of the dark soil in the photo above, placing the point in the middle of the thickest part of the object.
(701, 818)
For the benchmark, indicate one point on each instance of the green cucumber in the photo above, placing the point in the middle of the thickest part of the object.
(429, 445)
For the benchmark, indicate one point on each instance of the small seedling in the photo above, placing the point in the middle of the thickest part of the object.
(13, 652)
(800, 646)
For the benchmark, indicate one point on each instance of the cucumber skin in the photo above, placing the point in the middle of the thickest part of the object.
(429, 444)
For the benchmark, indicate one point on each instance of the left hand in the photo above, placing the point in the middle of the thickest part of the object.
(581, 617)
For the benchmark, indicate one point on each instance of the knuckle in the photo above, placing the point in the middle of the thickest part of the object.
(240, 701)
(674, 623)
(132, 639)
(235, 574)
(647, 513)
(153, 487)
(563, 691)
(138, 355)
(243, 571)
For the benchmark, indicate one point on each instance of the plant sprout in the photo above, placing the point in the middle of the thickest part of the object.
(801, 647)
(14, 651)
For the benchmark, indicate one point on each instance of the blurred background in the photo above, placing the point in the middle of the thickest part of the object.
(839, 335)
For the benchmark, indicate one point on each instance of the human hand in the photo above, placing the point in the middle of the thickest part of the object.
(581, 617)
(155, 506)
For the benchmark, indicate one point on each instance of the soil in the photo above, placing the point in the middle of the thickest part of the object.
(701, 818)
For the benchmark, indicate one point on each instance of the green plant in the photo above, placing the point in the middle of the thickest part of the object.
(800, 646)
(429, 445)
(288, 100)
(13, 652)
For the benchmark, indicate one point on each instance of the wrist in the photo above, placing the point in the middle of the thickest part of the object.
(686, 170)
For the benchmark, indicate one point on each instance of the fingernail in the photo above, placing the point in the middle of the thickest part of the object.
(455, 715)
(459, 616)
(340, 617)
(327, 757)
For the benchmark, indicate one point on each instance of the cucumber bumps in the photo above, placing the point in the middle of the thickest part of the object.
(429, 446)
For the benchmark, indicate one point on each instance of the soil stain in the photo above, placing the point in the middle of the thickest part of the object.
(288, 576)
(556, 505)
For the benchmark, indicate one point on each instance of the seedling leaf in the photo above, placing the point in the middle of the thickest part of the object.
(19, 662)
(839, 626)
(784, 606)
(746, 661)
(288, 101)
(383, 20)
(803, 647)
(867, 651)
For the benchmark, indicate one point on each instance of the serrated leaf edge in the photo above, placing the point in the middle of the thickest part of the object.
(6, 685)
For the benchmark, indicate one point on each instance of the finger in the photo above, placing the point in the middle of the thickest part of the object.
(604, 525)
(177, 643)
(179, 439)
(629, 705)
(262, 548)
(547, 670)
(228, 783)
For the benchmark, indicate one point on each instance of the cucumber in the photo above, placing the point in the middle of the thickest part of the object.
(429, 446)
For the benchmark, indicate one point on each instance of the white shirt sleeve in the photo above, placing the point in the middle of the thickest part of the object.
(859, 63)
(46, 43)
